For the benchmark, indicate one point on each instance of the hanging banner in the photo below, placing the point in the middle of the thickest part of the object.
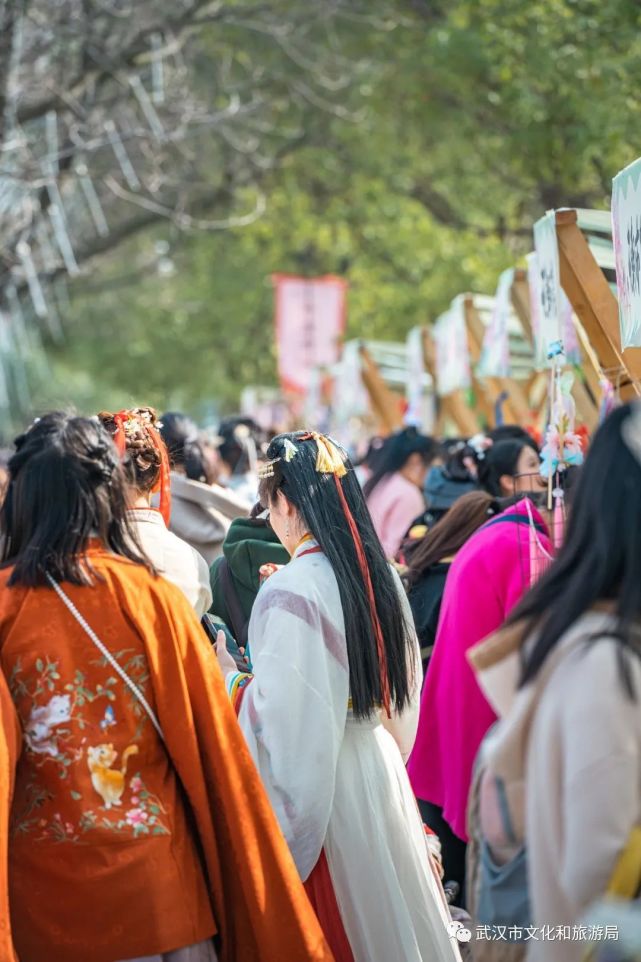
(310, 322)
(540, 354)
(452, 350)
(549, 280)
(495, 352)
(567, 329)
(415, 384)
(626, 235)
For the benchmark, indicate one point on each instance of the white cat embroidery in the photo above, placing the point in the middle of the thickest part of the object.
(38, 732)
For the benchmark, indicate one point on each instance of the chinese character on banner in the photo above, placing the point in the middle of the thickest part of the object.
(452, 350)
(549, 282)
(567, 330)
(495, 353)
(310, 322)
(626, 235)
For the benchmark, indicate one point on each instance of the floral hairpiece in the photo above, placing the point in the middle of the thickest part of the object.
(480, 444)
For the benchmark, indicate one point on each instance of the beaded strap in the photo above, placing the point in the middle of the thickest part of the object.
(133, 687)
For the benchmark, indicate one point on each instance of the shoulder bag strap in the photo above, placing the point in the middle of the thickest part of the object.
(133, 687)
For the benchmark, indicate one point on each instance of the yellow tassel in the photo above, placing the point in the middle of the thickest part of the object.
(329, 459)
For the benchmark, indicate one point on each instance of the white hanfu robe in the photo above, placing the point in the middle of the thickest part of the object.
(336, 782)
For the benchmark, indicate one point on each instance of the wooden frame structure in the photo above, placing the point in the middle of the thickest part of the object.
(596, 307)
(585, 394)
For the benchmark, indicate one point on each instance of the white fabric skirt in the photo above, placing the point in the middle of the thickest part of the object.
(391, 901)
(200, 952)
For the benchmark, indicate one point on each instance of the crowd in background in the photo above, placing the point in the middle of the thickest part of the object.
(264, 701)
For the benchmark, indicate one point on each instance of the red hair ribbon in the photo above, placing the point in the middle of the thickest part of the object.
(120, 438)
(164, 483)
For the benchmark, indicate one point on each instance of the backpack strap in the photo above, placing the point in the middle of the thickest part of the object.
(238, 623)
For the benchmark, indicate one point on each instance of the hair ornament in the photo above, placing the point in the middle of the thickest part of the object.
(480, 444)
(290, 450)
(266, 470)
(329, 459)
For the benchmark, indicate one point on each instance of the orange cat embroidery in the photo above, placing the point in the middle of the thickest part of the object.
(109, 784)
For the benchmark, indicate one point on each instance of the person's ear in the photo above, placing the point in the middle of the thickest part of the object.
(284, 506)
(508, 485)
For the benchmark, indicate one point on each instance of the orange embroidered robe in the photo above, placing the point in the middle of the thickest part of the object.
(119, 846)
(10, 739)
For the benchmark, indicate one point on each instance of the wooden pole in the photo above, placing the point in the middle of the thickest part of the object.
(453, 407)
(385, 403)
(516, 405)
(596, 306)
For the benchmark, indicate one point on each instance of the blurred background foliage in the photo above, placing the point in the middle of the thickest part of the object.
(463, 121)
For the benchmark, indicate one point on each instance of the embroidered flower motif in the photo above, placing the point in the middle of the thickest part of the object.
(136, 816)
(135, 800)
(136, 786)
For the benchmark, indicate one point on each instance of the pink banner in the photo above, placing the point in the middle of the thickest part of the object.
(310, 323)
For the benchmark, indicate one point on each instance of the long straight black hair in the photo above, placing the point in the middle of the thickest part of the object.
(601, 557)
(316, 498)
(66, 485)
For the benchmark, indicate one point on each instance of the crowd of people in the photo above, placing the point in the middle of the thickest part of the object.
(261, 700)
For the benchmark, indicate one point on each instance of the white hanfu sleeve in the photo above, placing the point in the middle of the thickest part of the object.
(403, 727)
(294, 711)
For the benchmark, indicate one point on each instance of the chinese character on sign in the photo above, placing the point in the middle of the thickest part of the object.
(531, 933)
(500, 933)
(633, 235)
(579, 933)
(515, 933)
(612, 932)
(484, 932)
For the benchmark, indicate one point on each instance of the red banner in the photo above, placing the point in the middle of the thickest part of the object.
(310, 323)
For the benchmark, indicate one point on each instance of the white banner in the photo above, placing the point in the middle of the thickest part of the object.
(549, 282)
(495, 353)
(415, 386)
(452, 350)
(567, 329)
(310, 322)
(626, 235)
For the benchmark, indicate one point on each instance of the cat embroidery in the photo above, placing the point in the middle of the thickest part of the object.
(38, 732)
(109, 783)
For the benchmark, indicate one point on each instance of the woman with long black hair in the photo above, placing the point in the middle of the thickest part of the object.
(331, 712)
(565, 675)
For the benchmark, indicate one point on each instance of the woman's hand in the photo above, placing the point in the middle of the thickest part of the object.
(225, 660)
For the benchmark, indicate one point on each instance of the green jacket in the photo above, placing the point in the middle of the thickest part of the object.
(249, 543)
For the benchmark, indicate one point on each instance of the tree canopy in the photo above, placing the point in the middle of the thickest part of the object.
(420, 162)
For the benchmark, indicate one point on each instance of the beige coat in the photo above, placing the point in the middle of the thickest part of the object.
(573, 738)
(201, 514)
(174, 559)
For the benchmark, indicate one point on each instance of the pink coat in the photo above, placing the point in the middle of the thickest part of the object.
(487, 578)
(393, 504)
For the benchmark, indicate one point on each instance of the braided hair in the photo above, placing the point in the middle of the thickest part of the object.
(143, 458)
(66, 485)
